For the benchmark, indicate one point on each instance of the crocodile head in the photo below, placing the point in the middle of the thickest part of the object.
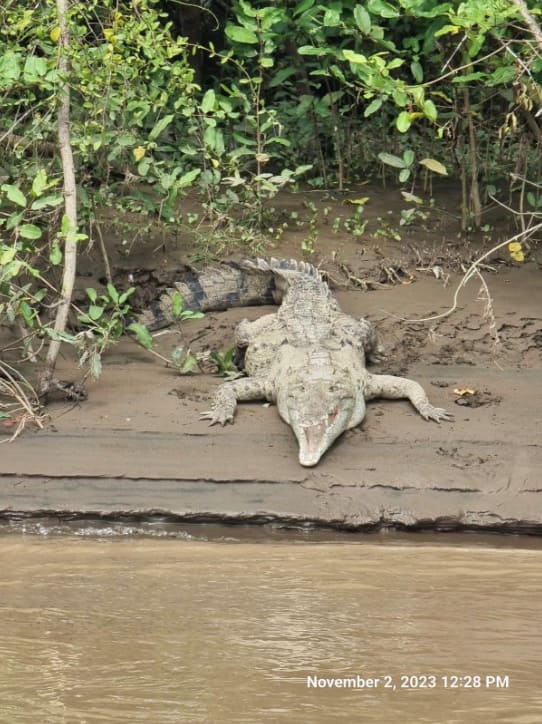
(318, 411)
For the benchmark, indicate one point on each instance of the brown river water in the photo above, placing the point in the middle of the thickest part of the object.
(112, 625)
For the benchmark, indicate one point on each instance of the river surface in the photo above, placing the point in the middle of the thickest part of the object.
(96, 626)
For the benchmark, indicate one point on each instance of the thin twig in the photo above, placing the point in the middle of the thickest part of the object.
(473, 269)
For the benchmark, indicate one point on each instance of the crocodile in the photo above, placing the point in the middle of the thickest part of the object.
(310, 358)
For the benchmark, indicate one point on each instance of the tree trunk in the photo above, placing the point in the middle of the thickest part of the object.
(475, 202)
(70, 202)
(535, 29)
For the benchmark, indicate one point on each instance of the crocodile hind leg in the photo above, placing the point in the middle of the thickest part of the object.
(374, 351)
(227, 395)
(401, 387)
(246, 331)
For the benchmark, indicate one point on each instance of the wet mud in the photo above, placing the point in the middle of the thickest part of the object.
(137, 446)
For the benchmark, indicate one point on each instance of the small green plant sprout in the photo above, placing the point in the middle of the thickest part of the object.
(307, 244)
(355, 224)
(104, 323)
(404, 163)
(178, 310)
(224, 364)
(410, 215)
(182, 360)
(386, 230)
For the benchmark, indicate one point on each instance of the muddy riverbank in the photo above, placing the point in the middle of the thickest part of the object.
(137, 447)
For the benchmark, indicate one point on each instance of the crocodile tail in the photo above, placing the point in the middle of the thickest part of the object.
(286, 268)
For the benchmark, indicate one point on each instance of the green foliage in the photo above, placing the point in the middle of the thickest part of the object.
(225, 365)
(103, 323)
(327, 93)
(178, 310)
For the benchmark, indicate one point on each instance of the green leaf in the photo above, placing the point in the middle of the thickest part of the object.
(10, 68)
(362, 19)
(208, 101)
(39, 184)
(95, 312)
(408, 157)
(390, 160)
(403, 122)
(55, 255)
(404, 175)
(373, 107)
(35, 67)
(468, 77)
(435, 166)
(210, 137)
(7, 255)
(189, 364)
(448, 29)
(128, 293)
(160, 126)
(311, 50)
(92, 294)
(187, 178)
(176, 305)
(126, 139)
(400, 98)
(332, 18)
(356, 58)
(280, 76)
(430, 110)
(383, 9)
(502, 75)
(14, 220)
(14, 194)
(113, 294)
(395, 63)
(30, 231)
(303, 6)
(143, 167)
(49, 200)
(26, 310)
(417, 71)
(241, 35)
(142, 334)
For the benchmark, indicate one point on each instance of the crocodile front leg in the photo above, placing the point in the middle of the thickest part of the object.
(400, 387)
(227, 395)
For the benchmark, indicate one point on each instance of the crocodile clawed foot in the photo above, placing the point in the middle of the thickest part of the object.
(216, 416)
(436, 413)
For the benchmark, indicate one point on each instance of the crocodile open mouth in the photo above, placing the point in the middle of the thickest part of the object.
(313, 441)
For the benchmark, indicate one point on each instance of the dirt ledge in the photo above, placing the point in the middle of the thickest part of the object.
(138, 449)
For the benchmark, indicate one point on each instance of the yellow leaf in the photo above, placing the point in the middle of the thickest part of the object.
(139, 152)
(109, 34)
(434, 166)
(516, 251)
(357, 202)
(55, 34)
(464, 391)
(215, 163)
